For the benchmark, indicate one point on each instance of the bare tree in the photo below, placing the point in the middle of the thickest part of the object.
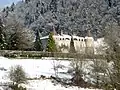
(77, 70)
(112, 38)
(18, 37)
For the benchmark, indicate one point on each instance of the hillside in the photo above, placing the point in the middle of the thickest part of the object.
(71, 16)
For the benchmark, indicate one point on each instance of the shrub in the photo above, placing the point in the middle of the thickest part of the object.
(17, 74)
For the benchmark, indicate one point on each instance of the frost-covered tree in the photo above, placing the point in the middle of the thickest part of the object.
(12, 7)
(17, 74)
(112, 38)
(18, 37)
(53, 5)
(69, 15)
(22, 40)
(2, 36)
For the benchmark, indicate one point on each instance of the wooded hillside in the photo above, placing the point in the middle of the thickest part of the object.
(71, 16)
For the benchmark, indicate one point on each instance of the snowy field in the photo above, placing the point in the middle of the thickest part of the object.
(34, 68)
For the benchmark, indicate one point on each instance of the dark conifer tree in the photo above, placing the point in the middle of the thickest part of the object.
(14, 41)
(51, 46)
(38, 43)
(12, 7)
(26, 1)
(72, 47)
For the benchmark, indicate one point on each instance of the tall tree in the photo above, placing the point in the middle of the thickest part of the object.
(2, 36)
(76, 15)
(53, 6)
(72, 47)
(51, 46)
(22, 40)
(12, 7)
(112, 39)
(18, 37)
(38, 44)
(26, 1)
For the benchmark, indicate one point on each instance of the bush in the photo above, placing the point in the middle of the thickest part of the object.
(77, 72)
(16, 87)
(17, 74)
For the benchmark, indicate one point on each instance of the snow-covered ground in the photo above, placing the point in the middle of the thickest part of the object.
(34, 69)
(48, 85)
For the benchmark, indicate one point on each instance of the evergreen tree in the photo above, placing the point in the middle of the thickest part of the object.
(26, 1)
(94, 15)
(72, 48)
(53, 6)
(38, 43)
(51, 46)
(12, 7)
(14, 41)
(2, 36)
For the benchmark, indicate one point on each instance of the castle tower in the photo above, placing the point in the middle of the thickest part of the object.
(54, 31)
(89, 41)
(74, 33)
(61, 33)
(89, 33)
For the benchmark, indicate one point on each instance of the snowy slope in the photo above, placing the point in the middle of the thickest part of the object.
(34, 69)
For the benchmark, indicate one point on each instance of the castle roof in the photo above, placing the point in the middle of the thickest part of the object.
(87, 37)
(45, 37)
(66, 36)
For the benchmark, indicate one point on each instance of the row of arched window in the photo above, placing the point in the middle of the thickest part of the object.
(75, 39)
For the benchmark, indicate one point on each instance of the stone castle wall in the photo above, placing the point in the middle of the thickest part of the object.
(82, 44)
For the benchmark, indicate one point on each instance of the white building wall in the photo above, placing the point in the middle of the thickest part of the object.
(80, 43)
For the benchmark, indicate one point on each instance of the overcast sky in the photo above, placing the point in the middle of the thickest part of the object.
(4, 3)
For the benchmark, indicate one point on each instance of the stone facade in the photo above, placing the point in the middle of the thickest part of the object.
(82, 44)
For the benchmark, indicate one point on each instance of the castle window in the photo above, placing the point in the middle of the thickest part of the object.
(75, 38)
(67, 39)
(79, 39)
(60, 38)
(63, 38)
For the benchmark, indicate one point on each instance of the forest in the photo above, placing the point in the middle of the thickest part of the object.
(23, 24)
(71, 16)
